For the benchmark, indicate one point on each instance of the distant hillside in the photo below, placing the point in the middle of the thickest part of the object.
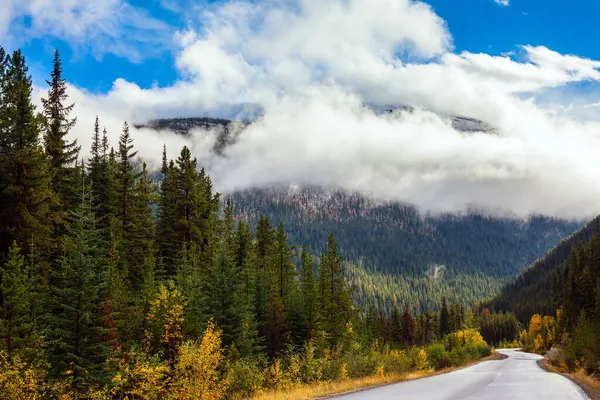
(393, 249)
(531, 291)
(398, 253)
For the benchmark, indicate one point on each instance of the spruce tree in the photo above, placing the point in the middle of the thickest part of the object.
(126, 180)
(77, 331)
(141, 241)
(62, 154)
(244, 260)
(308, 289)
(188, 199)
(27, 201)
(408, 327)
(445, 327)
(166, 237)
(396, 326)
(95, 164)
(17, 325)
(264, 240)
(335, 300)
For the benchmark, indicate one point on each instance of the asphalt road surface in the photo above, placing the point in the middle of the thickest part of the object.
(516, 377)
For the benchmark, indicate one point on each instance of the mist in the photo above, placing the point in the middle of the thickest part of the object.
(312, 66)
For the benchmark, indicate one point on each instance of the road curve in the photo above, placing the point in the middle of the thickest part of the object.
(516, 377)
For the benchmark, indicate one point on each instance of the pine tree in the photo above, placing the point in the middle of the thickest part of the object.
(62, 153)
(77, 331)
(196, 286)
(408, 328)
(247, 342)
(445, 327)
(264, 240)
(126, 180)
(141, 240)
(308, 288)
(283, 267)
(166, 238)
(27, 202)
(95, 164)
(17, 325)
(396, 326)
(188, 199)
(334, 297)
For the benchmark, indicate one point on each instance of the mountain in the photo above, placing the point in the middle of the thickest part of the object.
(399, 256)
(531, 292)
(396, 255)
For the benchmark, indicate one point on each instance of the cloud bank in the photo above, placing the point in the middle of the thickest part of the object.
(313, 65)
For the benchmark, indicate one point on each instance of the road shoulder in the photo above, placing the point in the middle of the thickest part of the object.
(592, 392)
(404, 378)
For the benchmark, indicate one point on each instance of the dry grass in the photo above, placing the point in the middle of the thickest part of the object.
(326, 389)
(588, 383)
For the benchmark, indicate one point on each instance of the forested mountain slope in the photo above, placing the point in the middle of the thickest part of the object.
(532, 291)
(400, 256)
(393, 249)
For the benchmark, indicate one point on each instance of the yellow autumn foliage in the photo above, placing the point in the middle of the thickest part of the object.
(140, 376)
(421, 362)
(19, 380)
(197, 373)
(467, 337)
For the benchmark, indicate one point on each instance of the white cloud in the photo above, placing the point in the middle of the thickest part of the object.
(312, 64)
(99, 26)
(503, 3)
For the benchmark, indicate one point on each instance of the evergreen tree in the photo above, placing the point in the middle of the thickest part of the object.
(283, 267)
(141, 240)
(308, 288)
(17, 325)
(95, 164)
(334, 297)
(396, 326)
(188, 198)
(27, 201)
(408, 327)
(77, 331)
(166, 238)
(445, 327)
(264, 240)
(126, 180)
(62, 154)
(244, 260)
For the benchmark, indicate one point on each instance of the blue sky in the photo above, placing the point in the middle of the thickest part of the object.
(527, 68)
(475, 25)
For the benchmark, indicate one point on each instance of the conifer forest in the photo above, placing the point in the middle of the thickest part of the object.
(121, 282)
(115, 285)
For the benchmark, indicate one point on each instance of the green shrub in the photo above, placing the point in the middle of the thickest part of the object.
(246, 376)
(435, 353)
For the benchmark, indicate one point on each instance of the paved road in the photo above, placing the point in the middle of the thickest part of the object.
(516, 377)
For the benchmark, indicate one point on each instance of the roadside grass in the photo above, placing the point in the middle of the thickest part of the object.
(588, 383)
(325, 390)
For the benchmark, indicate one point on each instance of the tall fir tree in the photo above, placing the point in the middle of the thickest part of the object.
(27, 201)
(335, 300)
(166, 238)
(61, 152)
(308, 288)
(141, 241)
(126, 179)
(77, 332)
(445, 327)
(18, 330)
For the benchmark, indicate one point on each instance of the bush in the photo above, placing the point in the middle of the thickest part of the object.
(246, 377)
(435, 353)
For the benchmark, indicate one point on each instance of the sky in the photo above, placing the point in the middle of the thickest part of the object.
(526, 67)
